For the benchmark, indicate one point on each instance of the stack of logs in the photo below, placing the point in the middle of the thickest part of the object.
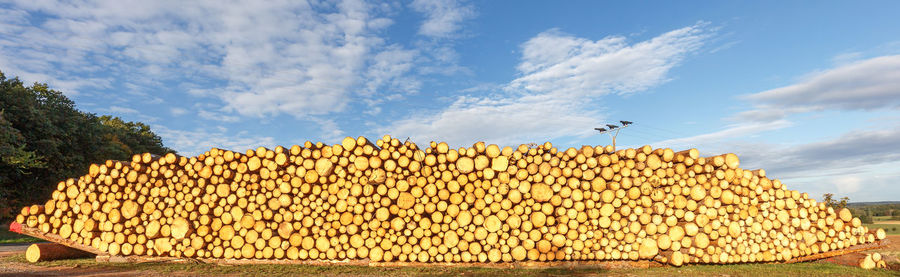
(872, 260)
(391, 201)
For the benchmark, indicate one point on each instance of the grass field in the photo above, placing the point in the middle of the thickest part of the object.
(890, 229)
(9, 237)
(804, 269)
(890, 226)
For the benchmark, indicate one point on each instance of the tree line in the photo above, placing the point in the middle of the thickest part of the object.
(867, 211)
(44, 139)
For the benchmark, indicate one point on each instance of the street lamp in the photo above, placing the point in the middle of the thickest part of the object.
(615, 128)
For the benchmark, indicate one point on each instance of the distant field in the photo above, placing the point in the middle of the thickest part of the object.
(885, 220)
(890, 229)
(890, 226)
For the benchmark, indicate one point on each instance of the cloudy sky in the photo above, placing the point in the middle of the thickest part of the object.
(810, 91)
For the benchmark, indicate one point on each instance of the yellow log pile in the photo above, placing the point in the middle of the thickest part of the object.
(391, 201)
(873, 260)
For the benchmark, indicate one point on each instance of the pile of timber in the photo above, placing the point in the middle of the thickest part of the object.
(871, 261)
(390, 201)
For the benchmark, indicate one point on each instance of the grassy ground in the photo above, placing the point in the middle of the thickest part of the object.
(805, 269)
(9, 237)
(890, 226)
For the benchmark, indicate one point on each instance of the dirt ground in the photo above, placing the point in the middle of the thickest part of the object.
(891, 253)
(20, 269)
(9, 268)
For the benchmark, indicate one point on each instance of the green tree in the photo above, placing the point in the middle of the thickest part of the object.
(829, 200)
(44, 139)
(12, 149)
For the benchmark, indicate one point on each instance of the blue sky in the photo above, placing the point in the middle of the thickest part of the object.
(808, 90)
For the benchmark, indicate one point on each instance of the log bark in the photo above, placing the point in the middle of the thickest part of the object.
(40, 252)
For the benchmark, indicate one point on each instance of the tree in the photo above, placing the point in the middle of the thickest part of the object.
(829, 200)
(12, 150)
(44, 139)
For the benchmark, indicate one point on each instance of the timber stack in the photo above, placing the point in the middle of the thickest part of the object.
(390, 201)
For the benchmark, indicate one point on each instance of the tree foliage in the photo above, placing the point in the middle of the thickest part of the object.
(868, 211)
(44, 139)
(829, 200)
(864, 215)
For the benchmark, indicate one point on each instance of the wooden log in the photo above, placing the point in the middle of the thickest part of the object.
(845, 215)
(541, 192)
(180, 228)
(648, 249)
(40, 252)
(867, 262)
(465, 165)
(692, 153)
(406, 200)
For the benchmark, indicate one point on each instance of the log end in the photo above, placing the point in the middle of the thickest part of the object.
(33, 253)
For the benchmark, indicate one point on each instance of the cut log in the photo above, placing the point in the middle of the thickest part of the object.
(541, 192)
(648, 249)
(180, 228)
(867, 262)
(40, 252)
(492, 223)
(845, 215)
(465, 165)
(406, 200)
(692, 153)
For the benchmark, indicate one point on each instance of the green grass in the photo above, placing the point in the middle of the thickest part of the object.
(803, 269)
(9, 237)
(890, 229)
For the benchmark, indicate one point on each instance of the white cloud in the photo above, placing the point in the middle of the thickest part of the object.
(704, 141)
(503, 120)
(197, 141)
(389, 70)
(177, 111)
(846, 58)
(841, 155)
(442, 17)
(853, 163)
(122, 110)
(847, 184)
(264, 59)
(864, 85)
(561, 75)
(557, 63)
(329, 129)
(307, 60)
(216, 116)
(859, 163)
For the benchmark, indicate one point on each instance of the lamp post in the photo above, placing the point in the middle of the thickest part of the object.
(610, 128)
